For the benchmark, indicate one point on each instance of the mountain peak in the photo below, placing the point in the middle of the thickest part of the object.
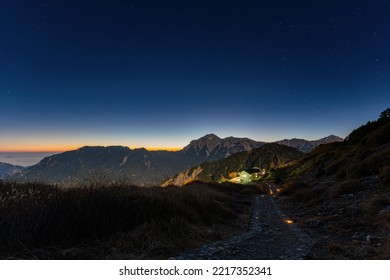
(210, 136)
(206, 143)
(332, 138)
(212, 147)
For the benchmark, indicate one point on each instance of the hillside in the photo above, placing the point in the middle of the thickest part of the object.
(340, 194)
(268, 157)
(365, 152)
(106, 165)
(7, 170)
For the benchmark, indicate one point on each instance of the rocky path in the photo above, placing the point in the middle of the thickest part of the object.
(272, 235)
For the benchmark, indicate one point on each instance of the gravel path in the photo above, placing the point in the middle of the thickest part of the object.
(272, 235)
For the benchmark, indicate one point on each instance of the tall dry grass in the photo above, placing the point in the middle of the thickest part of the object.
(37, 218)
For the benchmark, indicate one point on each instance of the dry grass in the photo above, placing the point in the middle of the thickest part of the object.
(357, 169)
(335, 247)
(350, 218)
(385, 176)
(291, 188)
(46, 222)
(301, 192)
(345, 226)
(376, 204)
(346, 187)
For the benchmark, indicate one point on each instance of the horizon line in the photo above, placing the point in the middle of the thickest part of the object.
(57, 149)
(170, 149)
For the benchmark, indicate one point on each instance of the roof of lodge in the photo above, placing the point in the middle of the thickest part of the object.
(251, 170)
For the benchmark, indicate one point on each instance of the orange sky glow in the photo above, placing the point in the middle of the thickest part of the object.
(60, 149)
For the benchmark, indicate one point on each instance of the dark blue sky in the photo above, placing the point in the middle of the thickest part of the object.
(160, 73)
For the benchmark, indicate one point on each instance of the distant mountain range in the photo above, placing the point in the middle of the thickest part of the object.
(307, 146)
(7, 170)
(267, 157)
(211, 147)
(140, 166)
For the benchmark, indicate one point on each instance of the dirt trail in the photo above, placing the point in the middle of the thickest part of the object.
(272, 235)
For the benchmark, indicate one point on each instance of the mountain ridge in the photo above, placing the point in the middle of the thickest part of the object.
(135, 166)
(7, 169)
(307, 146)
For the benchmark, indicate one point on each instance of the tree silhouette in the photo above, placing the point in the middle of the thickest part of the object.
(358, 134)
(385, 115)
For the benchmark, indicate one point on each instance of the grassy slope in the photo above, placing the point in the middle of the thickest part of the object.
(122, 222)
(269, 156)
(340, 193)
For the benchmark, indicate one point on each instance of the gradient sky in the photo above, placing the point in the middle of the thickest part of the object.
(161, 73)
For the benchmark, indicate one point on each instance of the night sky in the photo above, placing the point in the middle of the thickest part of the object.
(161, 73)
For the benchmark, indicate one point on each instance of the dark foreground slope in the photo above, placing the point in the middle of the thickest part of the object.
(340, 194)
(120, 222)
